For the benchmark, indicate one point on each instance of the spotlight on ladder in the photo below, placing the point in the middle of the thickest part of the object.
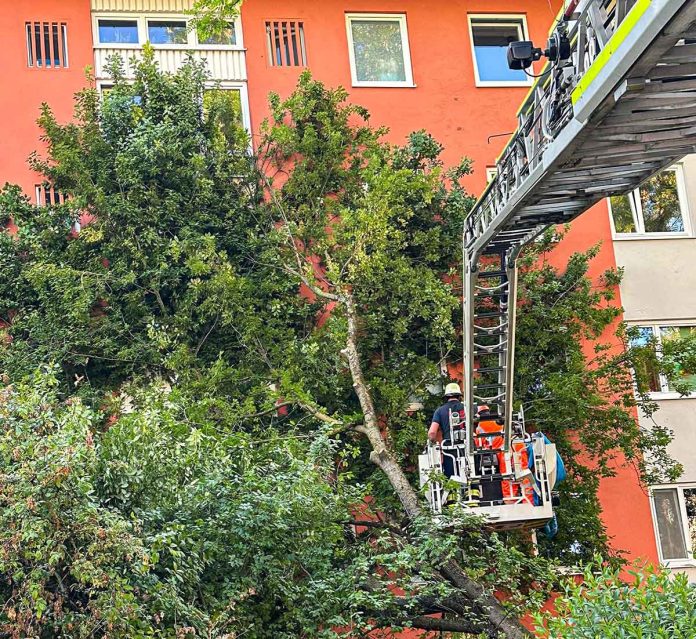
(522, 53)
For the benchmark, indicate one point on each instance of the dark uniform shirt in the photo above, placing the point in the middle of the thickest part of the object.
(442, 417)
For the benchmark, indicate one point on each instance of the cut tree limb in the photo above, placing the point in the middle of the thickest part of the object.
(486, 605)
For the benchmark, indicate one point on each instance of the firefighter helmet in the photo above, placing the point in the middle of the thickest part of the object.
(453, 390)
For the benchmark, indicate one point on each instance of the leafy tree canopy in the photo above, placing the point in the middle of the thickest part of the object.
(155, 527)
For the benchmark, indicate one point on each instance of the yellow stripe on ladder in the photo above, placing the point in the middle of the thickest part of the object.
(618, 37)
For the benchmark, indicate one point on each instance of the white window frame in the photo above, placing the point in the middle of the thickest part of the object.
(491, 173)
(191, 39)
(518, 20)
(40, 195)
(665, 392)
(32, 54)
(638, 221)
(380, 17)
(104, 85)
(689, 561)
(301, 41)
(142, 20)
(142, 33)
(243, 98)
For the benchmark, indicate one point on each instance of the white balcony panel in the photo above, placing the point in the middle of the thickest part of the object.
(149, 6)
(222, 64)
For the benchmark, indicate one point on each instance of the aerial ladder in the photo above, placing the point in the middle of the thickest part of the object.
(614, 104)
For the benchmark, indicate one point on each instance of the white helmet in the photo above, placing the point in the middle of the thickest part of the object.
(452, 390)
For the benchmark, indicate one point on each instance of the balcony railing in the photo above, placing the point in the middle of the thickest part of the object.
(223, 64)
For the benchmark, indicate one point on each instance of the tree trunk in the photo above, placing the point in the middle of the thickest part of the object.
(485, 605)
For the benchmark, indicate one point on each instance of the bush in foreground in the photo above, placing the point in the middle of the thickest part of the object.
(653, 605)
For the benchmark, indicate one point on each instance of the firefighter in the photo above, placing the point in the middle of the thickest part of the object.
(490, 454)
(488, 425)
(520, 490)
(441, 426)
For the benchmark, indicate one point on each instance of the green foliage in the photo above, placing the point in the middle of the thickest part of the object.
(153, 527)
(653, 605)
(657, 202)
(63, 552)
(378, 221)
(158, 274)
(212, 17)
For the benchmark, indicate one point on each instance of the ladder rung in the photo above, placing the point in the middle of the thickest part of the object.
(481, 386)
(496, 327)
(495, 287)
(489, 369)
(488, 400)
(491, 273)
(492, 333)
(493, 477)
(490, 346)
(484, 315)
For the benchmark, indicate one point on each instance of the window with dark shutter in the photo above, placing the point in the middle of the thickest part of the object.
(47, 44)
(48, 195)
(285, 43)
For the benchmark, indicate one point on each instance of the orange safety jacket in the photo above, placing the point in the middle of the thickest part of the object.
(522, 488)
(491, 443)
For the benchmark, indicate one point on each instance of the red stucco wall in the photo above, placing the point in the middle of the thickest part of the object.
(23, 89)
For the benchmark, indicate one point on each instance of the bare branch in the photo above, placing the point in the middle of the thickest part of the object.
(448, 625)
(205, 337)
(319, 292)
(293, 244)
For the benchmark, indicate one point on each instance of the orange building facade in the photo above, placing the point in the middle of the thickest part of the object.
(413, 64)
(48, 46)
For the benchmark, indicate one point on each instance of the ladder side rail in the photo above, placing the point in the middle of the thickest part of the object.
(642, 24)
(508, 373)
(435, 488)
(470, 280)
(545, 173)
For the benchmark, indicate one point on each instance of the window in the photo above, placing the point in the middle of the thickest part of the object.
(378, 50)
(47, 195)
(658, 336)
(285, 44)
(674, 511)
(658, 206)
(130, 31)
(230, 101)
(491, 173)
(118, 31)
(227, 102)
(167, 31)
(490, 36)
(47, 44)
(228, 36)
